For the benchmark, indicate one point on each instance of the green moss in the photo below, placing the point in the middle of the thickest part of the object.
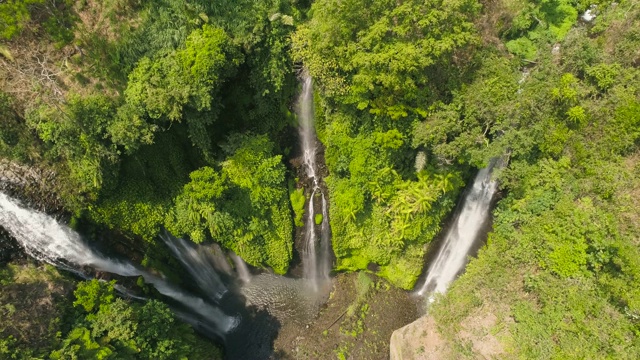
(318, 219)
(297, 199)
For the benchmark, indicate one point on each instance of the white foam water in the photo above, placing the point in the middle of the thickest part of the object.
(47, 240)
(316, 255)
(471, 217)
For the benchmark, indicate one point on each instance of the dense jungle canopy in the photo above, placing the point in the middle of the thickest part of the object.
(180, 115)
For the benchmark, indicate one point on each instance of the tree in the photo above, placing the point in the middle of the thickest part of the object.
(78, 135)
(384, 56)
(90, 295)
(378, 216)
(164, 88)
(244, 206)
(80, 345)
(162, 336)
(113, 328)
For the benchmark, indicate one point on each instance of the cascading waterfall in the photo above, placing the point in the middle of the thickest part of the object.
(219, 258)
(284, 299)
(242, 270)
(195, 260)
(43, 238)
(325, 243)
(316, 257)
(472, 215)
(310, 260)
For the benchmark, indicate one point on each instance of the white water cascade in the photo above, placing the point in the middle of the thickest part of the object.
(43, 238)
(198, 264)
(316, 256)
(472, 215)
(242, 270)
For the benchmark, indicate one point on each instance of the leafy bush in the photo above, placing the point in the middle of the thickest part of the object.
(147, 183)
(107, 327)
(537, 24)
(376, 216)
(165, 87)
(15, 15)
(379, 56)
(247, 214)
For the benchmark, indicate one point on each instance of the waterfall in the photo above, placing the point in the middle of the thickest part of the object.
(242, 270)
(471, 216)
(307, 128)
(43, 238)
(219, 259)
(316, 257)
(310, 261)
(324, 266)
(195, 260)
(204, 263)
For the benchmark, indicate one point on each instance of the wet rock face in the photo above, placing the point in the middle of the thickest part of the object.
(9, 248)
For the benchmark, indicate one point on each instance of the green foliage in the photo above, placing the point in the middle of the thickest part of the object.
(79, 345)
(297, 199)
(567, 91)
(560, 16)
(555, 139)
(15, 15)
(363, 285)
(136, 216)
(380, 56)
(537, 24)
(623, 131)
(91, 294)
(376, 215)
(148, 182)
(604, 75)
(577, 115)
(112, 328)
(79, 136)
(523, 47)
(188, 78)
(61, 22)
(162, 336)
(461, 131)
(244, 206)
(57, 18)
(160, 88)
(197, 203)
(317, 219)
(181, 70)
(16, 141)
(562, 258)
